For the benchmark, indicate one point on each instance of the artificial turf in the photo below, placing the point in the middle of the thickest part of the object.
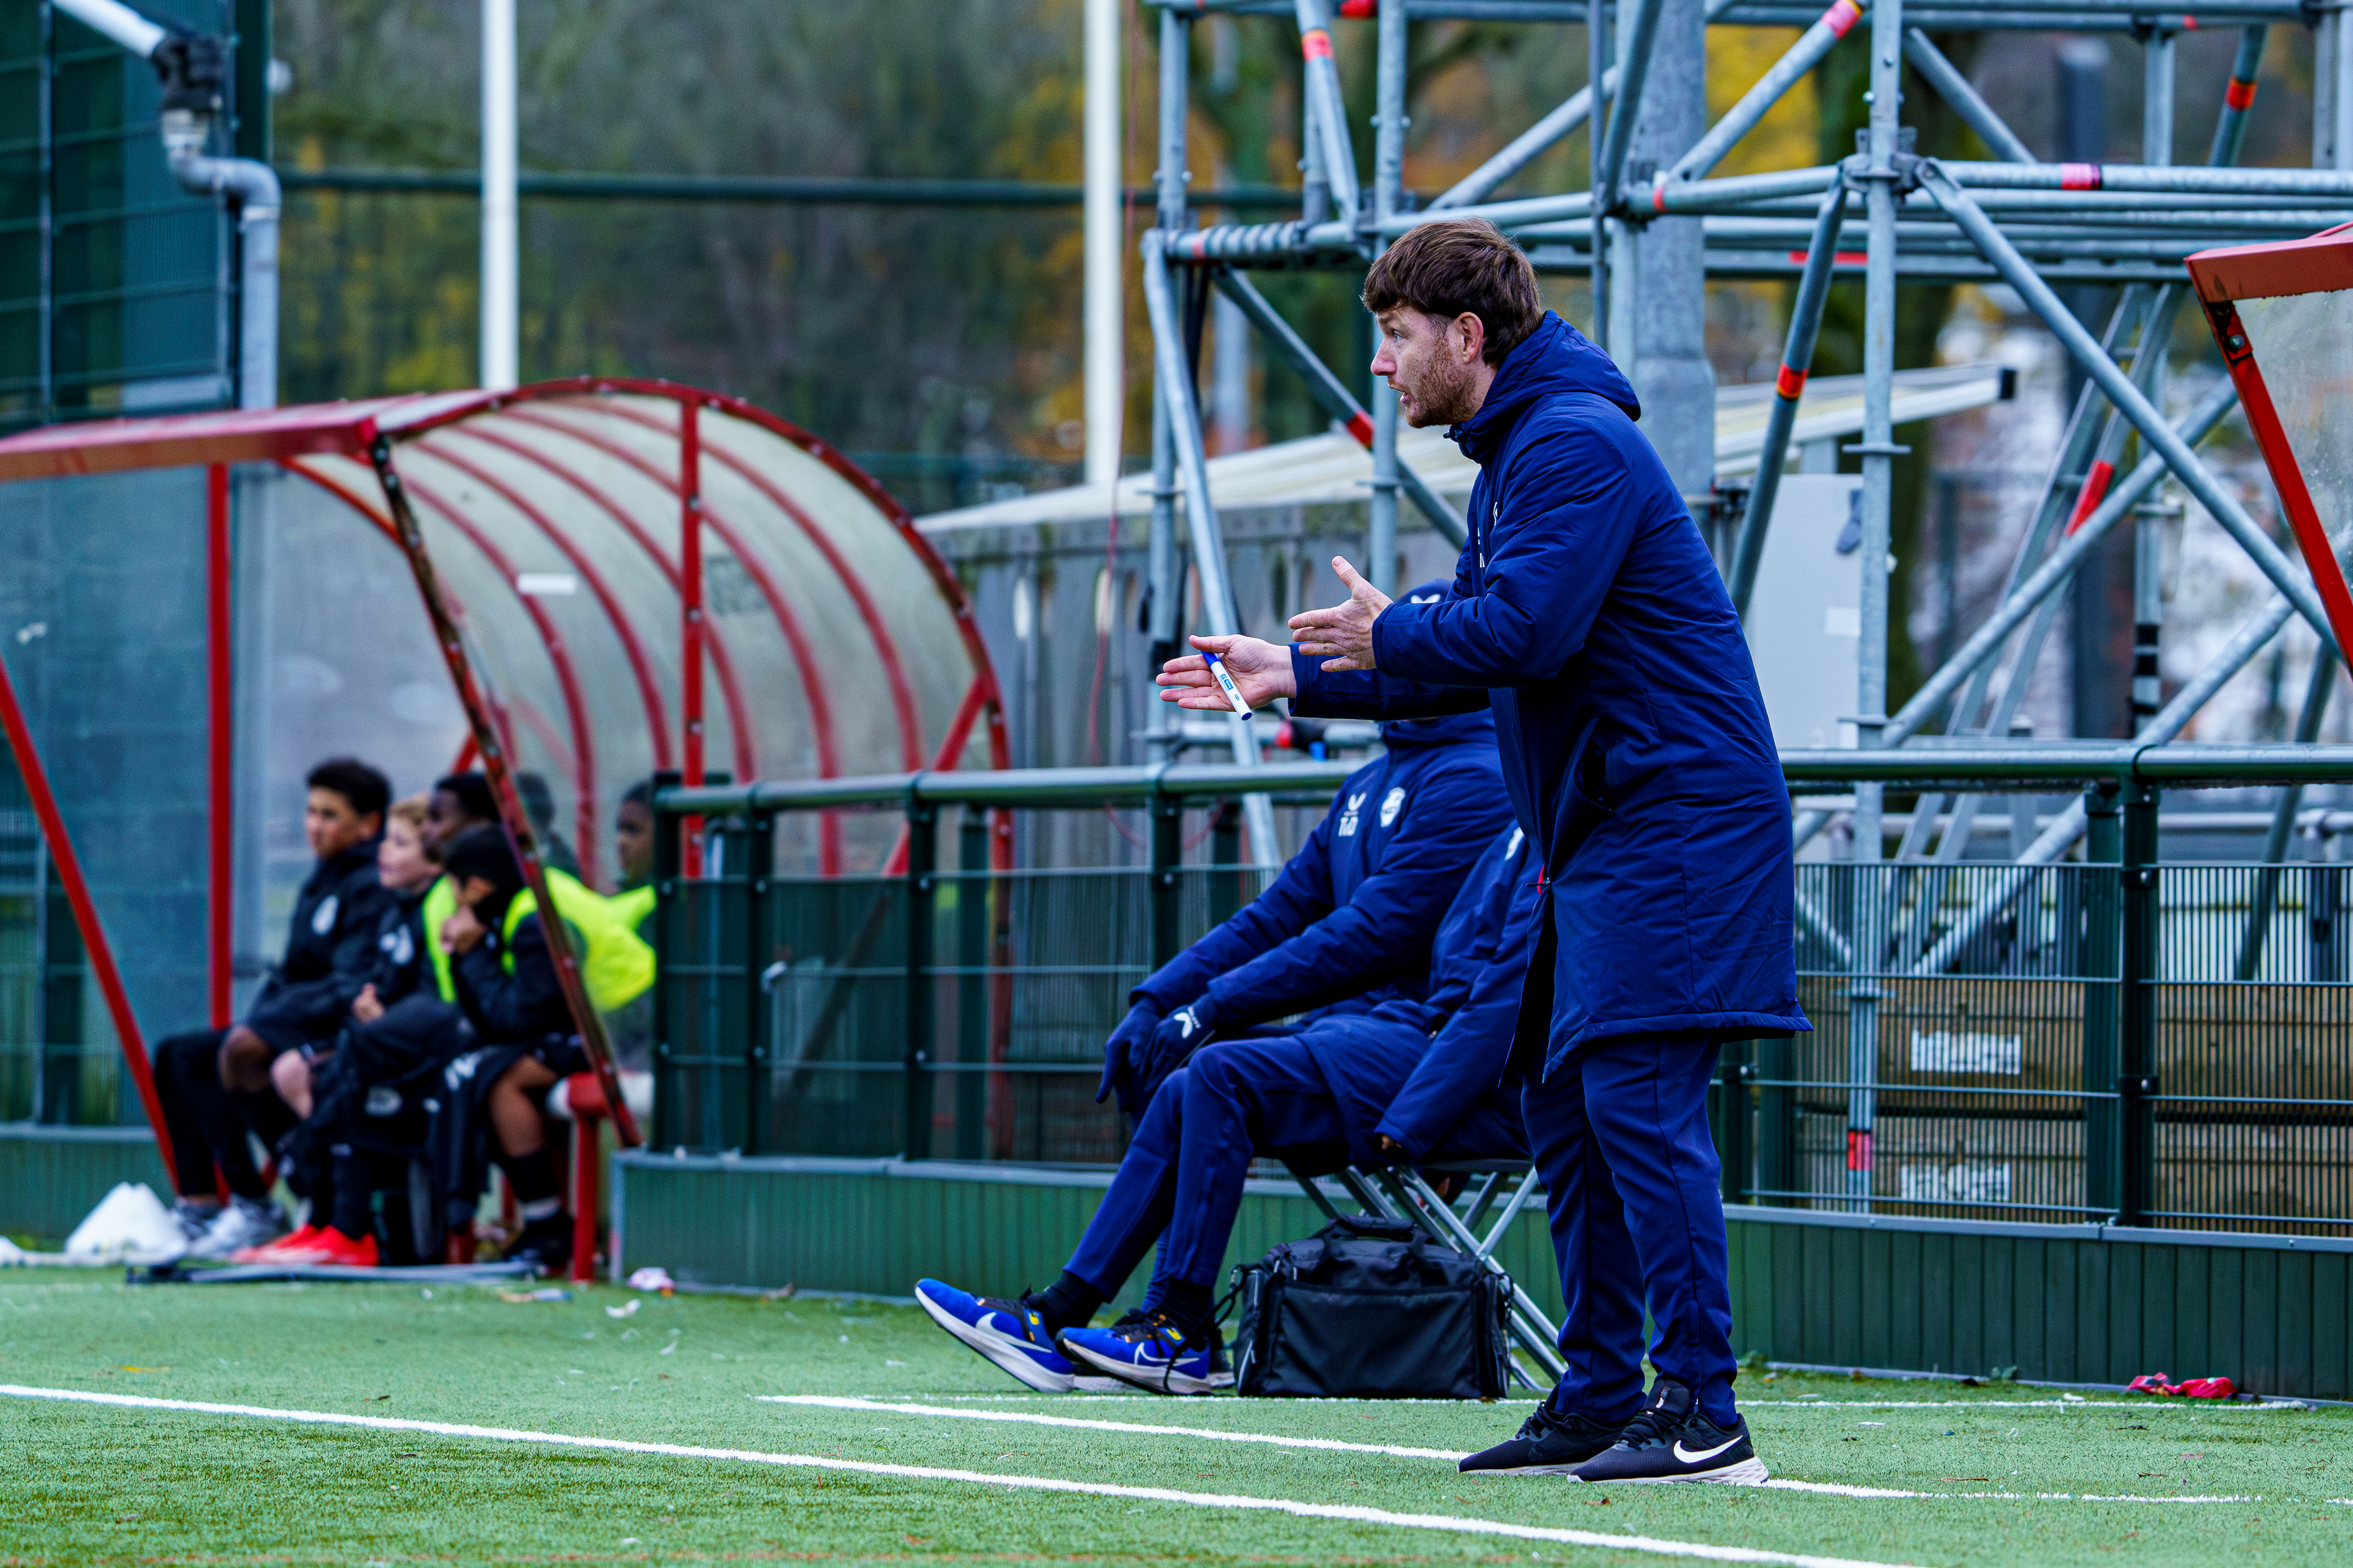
(82, 1483)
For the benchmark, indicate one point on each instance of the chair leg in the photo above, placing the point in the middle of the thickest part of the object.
(1314, 1192)
(584, 1143)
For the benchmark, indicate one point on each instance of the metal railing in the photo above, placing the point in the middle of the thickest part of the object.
(2113, 1038)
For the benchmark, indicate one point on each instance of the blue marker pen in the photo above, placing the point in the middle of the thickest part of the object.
(1226, 683)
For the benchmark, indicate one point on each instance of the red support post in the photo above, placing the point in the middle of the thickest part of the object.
(220, 761)
(99, 956)
(588, 1126)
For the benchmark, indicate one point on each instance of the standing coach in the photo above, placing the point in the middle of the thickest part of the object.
(1588, 615)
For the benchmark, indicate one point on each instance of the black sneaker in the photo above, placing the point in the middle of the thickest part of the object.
(546, 1245)
(1547, 1443)
(1672, 1441)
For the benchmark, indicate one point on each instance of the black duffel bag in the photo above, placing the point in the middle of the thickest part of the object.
(1371, 1309)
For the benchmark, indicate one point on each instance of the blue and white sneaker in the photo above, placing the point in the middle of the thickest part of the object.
(1150, 1350)
(1008, 1333)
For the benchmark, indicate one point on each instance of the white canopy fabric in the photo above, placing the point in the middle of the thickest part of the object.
(1332, 468)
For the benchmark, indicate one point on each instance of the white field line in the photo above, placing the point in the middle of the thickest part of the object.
(1346, 1512)
(833, 1402)
(1156, 1429)
(2190, 1406)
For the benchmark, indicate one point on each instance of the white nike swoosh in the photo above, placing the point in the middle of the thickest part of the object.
(1688, 1458)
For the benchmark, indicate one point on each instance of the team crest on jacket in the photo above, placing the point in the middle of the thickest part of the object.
(1347, 828)
(323, 919)
(1391, 804)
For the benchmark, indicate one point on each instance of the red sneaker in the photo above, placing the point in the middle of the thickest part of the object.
(334, 1246)
(282, 1250)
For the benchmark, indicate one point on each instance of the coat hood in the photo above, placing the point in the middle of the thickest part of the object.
(1553, 359)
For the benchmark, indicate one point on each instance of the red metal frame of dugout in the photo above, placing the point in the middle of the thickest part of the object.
(2317, 264)
(363, 429)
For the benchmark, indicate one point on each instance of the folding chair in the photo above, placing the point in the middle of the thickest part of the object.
(1406, 1192)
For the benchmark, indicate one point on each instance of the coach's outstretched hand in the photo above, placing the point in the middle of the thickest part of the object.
(1261, 670)
(1342, 634)
(1126, 1045)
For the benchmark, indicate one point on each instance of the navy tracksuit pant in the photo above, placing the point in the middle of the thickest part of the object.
(1183, 1173)
(1619, 1134)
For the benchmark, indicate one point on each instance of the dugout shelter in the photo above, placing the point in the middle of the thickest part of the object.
(617, 578)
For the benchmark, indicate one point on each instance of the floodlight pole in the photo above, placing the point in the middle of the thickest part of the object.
(502, 302)
(1104, 308)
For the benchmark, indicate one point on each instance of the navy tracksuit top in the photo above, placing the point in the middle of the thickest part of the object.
(1588, 615)
(1347, 923)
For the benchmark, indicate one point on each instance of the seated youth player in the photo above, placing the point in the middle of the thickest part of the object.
(406, 866)
(616, 964)
(1348, 924)
(398, 1029)
(214, 1084)
(524, 1044)
(1415, 1075)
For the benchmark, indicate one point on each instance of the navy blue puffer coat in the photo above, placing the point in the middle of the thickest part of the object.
(1588, 615)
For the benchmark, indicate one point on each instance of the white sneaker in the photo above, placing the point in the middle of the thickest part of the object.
(244, 1223)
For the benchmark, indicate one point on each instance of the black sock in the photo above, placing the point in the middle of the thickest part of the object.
(352, 1213)
(1189, 1303)
(532, 1179)
(1068, 1302)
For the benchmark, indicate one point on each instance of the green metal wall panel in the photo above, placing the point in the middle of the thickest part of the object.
(2062, 1304)
(51, 1176)
(876, 1227)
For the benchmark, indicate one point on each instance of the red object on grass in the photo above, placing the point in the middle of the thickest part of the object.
(2189, 1388)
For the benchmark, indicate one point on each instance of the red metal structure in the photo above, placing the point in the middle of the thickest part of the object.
(838, 640)
(2282, 316)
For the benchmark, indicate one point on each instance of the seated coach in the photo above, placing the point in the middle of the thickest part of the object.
(1349, 922)
(1415, 1078)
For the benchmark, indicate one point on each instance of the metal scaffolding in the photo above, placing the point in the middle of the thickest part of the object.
(1653, 226)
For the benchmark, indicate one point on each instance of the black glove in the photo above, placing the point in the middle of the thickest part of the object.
(1180, 1034)
(1126, 1044)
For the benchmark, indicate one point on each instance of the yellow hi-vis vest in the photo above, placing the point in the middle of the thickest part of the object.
(616, 964)
(633, 904)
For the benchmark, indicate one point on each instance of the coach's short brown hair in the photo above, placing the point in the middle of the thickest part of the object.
(1460, 265)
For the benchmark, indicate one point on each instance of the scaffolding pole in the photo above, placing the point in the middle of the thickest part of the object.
(2018, 220)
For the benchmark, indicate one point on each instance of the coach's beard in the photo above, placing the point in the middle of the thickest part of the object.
(1446, 393)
